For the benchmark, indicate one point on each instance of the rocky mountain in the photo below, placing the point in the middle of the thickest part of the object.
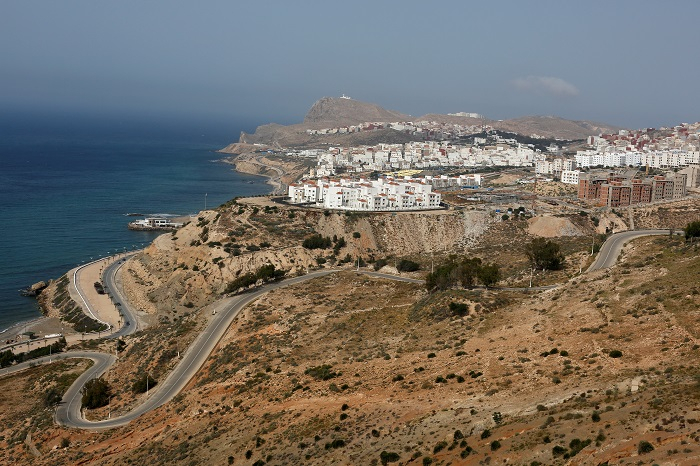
(332, 112)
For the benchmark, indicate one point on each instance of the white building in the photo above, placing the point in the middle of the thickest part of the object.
(570, 176)
(383, 194)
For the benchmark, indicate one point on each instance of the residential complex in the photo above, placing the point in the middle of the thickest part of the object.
(420, 155)
(383, 194)
(619, 190)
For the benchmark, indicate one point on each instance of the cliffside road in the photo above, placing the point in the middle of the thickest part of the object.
(613, 245)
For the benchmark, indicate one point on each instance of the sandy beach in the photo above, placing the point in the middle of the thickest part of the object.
(100, 307)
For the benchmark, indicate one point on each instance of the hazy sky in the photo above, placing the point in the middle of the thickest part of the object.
(630, 63)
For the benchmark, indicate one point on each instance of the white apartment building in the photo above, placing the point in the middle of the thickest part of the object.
(570, 176)
(383, 194)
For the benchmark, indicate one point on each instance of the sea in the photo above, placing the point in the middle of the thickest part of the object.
(67, 183)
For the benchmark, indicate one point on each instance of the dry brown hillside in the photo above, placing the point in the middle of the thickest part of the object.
(353, 369)
(349, 369)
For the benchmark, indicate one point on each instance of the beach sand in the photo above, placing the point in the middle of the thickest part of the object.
(101, 306)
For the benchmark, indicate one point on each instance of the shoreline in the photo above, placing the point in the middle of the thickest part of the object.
(42, 320)
(233, 160)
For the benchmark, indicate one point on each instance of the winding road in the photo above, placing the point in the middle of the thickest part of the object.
(69, 413)
(611, 248)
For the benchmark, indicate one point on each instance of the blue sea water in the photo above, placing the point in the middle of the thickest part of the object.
(66, 184)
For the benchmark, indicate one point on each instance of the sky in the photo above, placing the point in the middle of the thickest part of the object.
(629, 63)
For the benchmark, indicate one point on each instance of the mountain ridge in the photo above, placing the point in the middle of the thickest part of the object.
(332, 112)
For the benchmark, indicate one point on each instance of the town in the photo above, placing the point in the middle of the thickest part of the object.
(647, 165)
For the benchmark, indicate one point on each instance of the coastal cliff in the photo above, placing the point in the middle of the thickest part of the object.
(191, 267)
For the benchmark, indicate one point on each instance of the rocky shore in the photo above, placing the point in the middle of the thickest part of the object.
(253, 160)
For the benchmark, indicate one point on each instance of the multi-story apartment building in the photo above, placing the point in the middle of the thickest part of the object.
(570, 176)
(619, 191)
(377, 195)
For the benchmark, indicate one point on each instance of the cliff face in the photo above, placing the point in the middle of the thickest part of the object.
(191, 267)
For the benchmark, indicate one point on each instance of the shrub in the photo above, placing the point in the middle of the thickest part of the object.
(692, 230)
(406, 265)
(52, 397)
(143, 383)
(380, 263)
(485, 434)
(439, 446)
(576, 445)
(495, 445)
(459, 309)
(644, 447)
(322, 372)
(96, 393)
(545, 254)
(317, 241)
(387, 457)
(337, 443)
(615, 354)
(356, 234)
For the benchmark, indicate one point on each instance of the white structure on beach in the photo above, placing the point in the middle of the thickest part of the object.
(383, 194)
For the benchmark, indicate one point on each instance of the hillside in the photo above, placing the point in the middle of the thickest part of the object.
(331, 112)
(555, 127)
(352, 369)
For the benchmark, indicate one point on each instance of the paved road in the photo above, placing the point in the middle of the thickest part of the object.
(68, 413)
(128, 313)
(613, 245)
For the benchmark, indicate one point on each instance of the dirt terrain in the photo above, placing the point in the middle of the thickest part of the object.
(350, 369)
(346, 367)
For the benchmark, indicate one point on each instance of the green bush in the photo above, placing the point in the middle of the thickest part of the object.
(322, 372)
(378, 264)
(96, 393)
(545, 254)
(317, 241)
(387, 457)
(143, 383)
(615, 354)
(459, 309)
(406, 265)
(644, 447)
(439, 447)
